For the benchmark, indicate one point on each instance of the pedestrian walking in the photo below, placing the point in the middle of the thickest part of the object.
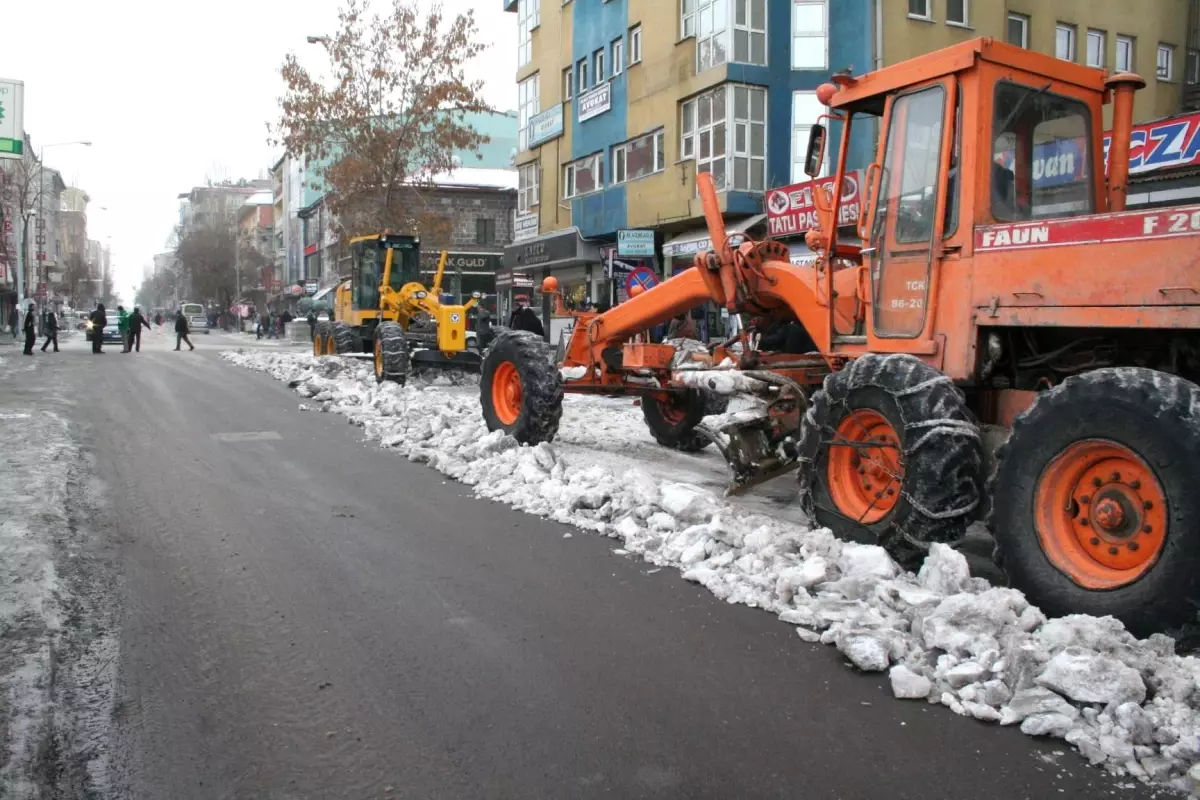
(123, 327)
(181, 331)
(14, 320)
(136, 323)
(51, 330)
(30, 330)
(99, 319)
(312, 324)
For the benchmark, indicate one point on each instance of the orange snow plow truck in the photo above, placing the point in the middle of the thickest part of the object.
(991, 346)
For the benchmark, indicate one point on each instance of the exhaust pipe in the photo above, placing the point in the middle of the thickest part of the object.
(1122, 85)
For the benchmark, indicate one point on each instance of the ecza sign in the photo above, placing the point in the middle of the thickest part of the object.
(792, 209)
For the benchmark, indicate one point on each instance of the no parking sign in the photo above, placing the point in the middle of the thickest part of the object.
(643, 277)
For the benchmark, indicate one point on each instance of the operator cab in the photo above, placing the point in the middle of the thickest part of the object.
(368, 258)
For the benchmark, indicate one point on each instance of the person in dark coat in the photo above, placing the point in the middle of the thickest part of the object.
(312, 324)
(136, 323)
(181, 331)
(98, 318)
(30, 330)
(51, 330)
(525, 318)
(14, 320)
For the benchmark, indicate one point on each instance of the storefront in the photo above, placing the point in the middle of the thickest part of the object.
(679, 253)
(465, 273)
(576, 263)
(792, 212)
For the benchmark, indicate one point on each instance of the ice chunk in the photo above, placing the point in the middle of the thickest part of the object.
(945, 570)
(866, 560)
(1036, 700)
(964, 674)
(967, 624)
(1047, 724)
(908, 685)
(868, 652)
(688, 503)
(1088, 677)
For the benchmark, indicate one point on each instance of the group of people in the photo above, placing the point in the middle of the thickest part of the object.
(29, 327)
(272, 325)
(129, 323)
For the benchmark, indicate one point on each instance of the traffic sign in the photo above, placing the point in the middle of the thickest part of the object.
(643, 277)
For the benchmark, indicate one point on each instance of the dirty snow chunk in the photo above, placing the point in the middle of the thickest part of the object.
(719, 381)
(1047, 724)
(812, 572)
(1088, 677)
(572, 373)
(866, 560)
(945, 570)
(812, 637)
(908, 685)
(866, 651)
(980, 711)
(970, 624)
(1035, 700)
(965, 674)
(689, 503)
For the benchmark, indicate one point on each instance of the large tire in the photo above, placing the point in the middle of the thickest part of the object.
(520, 388)
(321, 336)
(673, 423)
(927, 464)
(345, 339)
(391, 353)
(1139, 431)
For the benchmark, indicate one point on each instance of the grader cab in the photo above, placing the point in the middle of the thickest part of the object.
(384, 310)
(1005, 341)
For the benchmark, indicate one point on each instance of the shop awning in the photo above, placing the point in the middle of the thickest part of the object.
(692, 242)
(554, 250)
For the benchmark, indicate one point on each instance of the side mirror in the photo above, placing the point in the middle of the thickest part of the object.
(814, 157)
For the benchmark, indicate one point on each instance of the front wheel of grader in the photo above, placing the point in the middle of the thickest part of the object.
(1095, 509)
(520, 388)
(893, 456)
(390, 349)
(321, 335)
(672, 421)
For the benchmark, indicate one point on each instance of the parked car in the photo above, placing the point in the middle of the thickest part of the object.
(111, 334)
(196, 317)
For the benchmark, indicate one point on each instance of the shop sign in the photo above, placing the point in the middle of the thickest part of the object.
(1167, 143)
(546, 126)
(525, 227)
(311, 285)
(639, 243)
(595, 102)
(545, 250)
(507, 279)
(462, 262)
(792, 210)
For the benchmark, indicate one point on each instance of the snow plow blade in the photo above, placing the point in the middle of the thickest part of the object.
(745, 442)
(464, 361)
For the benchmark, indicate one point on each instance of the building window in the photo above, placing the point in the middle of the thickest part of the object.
(638, 158)
(750, 32)
(1124, 53)
(712, 26)
(635, 45)
(919, 8)
(583, 176)
(1064, 42)
(568, 84)
(810, 40)
(958, 12)
(528, 187)
(598, 65)
(527, 105)
(1018, 30)
(724, 131)
(485, 230)
(687, 18)
(1095, 48)
(1165, 67)
(581, 70)
(529, 16)
(1193, 66)
(806, 111)
(618, 56)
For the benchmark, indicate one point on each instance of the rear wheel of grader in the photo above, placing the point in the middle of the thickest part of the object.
(391, 353)
(673, 421)
(320, 338)
(342, 339)
(520, 388)
(1095, 507)
(893, 456)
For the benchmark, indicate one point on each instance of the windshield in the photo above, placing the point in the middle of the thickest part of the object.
(192, 310)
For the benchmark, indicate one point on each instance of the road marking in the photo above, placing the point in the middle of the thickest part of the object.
(248, 436)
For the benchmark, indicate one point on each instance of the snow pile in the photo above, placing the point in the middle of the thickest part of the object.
(942, 635)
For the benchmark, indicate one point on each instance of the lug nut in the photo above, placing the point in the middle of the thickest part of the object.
(1096, 482)
(1112, 551)
(1116, 476)
(891, 491)
(1135, 485)
(1094, 541)
(1085, 499)
(1085, 521)
(1147, 505)
(1147, 529)
(1133, 546)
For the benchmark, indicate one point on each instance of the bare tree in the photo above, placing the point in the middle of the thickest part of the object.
(207, 256)
(394, 116)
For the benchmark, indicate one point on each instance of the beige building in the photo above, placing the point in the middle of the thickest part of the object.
(1150, 37)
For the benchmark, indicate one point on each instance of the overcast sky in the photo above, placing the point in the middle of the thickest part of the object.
(170, 93)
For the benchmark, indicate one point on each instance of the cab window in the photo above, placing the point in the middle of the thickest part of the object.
(1041, 154)
(368, 269)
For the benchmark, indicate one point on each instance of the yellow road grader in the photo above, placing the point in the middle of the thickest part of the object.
(382, 309)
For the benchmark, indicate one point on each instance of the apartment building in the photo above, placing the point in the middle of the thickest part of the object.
(623, 102)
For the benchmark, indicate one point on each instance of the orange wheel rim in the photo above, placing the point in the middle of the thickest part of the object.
(672, 409)
(865, 470)
(1101, 514)
(317, 345)
(378, 357)
(506, 393)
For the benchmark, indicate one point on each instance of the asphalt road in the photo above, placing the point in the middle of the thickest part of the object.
(307, 616)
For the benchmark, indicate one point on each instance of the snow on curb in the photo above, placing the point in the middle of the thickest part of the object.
(942, 635)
